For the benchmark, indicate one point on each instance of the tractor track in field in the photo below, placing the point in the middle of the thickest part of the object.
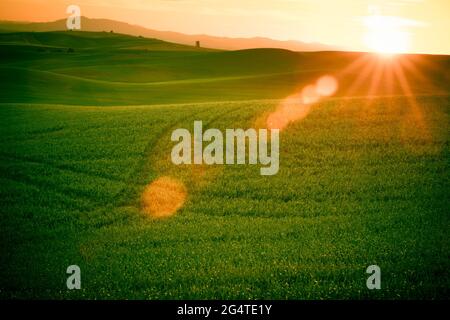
(143, 167)
(72, 196)
(74, 193)
(146, 164)
(66, 168)
(141, 170)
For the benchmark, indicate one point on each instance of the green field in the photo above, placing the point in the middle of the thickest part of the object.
(84, 130)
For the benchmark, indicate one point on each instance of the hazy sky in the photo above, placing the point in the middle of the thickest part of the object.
(416, 25)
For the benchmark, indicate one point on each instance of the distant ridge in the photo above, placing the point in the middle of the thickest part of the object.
(225, 43)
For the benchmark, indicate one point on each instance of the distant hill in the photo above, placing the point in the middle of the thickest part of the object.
(103, 68)
(206, 41)
(19, 41)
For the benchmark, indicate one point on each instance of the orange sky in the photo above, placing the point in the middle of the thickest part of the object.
(399, 25)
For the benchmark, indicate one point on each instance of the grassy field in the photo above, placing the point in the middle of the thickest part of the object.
(361, 181)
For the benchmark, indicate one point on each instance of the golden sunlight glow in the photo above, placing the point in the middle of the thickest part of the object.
(419, 26)
(385, 34)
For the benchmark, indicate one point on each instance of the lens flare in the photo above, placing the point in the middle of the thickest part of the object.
(309, 94)
(163, 197)
(290, 109)
(297, 106)
(326, 86)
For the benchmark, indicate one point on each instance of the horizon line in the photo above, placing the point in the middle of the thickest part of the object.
(332, 47)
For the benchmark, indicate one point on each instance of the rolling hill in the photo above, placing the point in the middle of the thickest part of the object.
(207, 41)
(119, 69)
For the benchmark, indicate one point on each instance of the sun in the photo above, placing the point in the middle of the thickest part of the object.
(385, 35)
